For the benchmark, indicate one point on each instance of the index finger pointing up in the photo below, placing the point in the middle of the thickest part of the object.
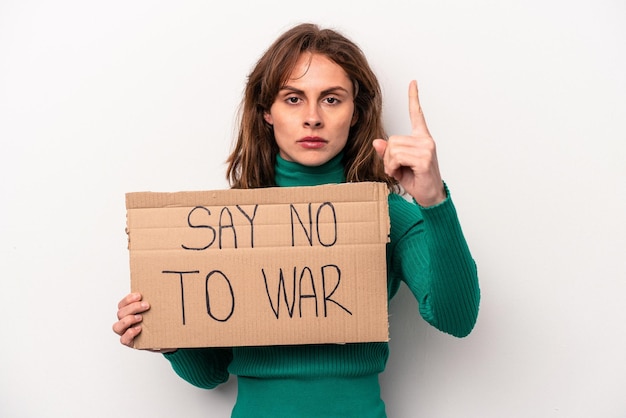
(418, 123)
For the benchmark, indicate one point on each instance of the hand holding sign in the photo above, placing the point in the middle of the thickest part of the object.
(128, 325)
(412, 159)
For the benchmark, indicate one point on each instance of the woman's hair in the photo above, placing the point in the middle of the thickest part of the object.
(251, 162)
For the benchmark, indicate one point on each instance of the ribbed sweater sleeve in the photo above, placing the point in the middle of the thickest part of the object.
(202, 367)
(430, 254)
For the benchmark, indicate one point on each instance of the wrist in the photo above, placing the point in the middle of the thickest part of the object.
(435, 199)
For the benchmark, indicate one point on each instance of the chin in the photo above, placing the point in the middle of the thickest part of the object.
(313, 162)
(314, 159)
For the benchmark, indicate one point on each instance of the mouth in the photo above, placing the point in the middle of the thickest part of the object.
(312, 142)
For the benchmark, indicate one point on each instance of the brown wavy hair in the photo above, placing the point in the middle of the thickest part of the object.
(251, 162)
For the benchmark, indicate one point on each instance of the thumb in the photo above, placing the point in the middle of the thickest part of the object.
(380, 145)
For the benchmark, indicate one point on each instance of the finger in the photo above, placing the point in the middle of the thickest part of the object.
(163, 350)
(384, 149)
(128, 337)
(418, 123)
(131, 304)
(380, 145)
(132, 309)
(128, 299)
(126, 322)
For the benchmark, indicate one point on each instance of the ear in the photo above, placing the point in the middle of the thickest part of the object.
(268, 118)
(355, 117)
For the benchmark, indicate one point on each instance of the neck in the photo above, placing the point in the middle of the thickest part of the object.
(290, 174)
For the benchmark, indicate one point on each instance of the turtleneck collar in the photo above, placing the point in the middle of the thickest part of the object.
(290, 174)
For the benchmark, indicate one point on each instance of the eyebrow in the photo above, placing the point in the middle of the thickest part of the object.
(323, 92)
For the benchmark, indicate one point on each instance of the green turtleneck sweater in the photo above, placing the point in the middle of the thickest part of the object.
(427, 251)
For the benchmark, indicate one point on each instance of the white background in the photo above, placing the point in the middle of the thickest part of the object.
(526, 100)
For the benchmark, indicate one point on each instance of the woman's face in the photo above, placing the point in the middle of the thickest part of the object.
(313, 112)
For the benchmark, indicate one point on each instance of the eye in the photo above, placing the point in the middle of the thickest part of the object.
(331, 100)
(293, 100)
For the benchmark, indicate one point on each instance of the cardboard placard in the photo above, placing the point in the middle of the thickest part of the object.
(271, 266)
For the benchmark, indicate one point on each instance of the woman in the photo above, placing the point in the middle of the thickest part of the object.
(311, 114)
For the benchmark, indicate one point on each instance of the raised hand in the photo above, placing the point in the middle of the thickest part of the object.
(412, 159)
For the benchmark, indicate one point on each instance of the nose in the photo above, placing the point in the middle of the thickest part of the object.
(313, 118)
